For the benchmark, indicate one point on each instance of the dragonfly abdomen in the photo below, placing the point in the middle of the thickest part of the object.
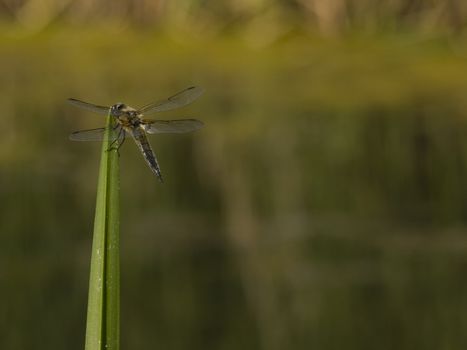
(148, 154)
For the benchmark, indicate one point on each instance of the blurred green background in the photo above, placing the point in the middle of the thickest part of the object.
(323, 206)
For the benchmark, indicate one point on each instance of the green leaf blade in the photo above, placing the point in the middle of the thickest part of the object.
(103, 318)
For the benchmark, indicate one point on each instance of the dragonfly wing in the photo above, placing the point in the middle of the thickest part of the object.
(90, 135)
(176, 101)
(172, 126)
(89, 106)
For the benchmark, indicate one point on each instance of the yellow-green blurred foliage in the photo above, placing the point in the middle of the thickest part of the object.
(323, 206)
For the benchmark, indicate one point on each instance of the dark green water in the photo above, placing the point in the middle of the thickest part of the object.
(323, 206)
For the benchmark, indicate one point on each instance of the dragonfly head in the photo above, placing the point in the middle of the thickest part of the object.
(117, 109)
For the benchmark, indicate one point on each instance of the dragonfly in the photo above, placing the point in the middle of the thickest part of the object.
(129, 120)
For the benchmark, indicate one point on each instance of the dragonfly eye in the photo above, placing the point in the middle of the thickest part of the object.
(117, 107)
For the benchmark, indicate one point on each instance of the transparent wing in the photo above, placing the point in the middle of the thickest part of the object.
(172, 126)
(176, 101)
(89, 106)
(90, 135)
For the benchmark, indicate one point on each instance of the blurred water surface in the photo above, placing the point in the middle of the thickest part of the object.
(324, 204)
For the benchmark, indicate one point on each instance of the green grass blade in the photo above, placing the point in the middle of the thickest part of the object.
(103, 319)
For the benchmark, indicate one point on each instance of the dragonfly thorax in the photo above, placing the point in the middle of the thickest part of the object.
(127, 116)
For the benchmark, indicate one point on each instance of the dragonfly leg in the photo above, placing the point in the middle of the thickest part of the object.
(121, 134)
(111, 146)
